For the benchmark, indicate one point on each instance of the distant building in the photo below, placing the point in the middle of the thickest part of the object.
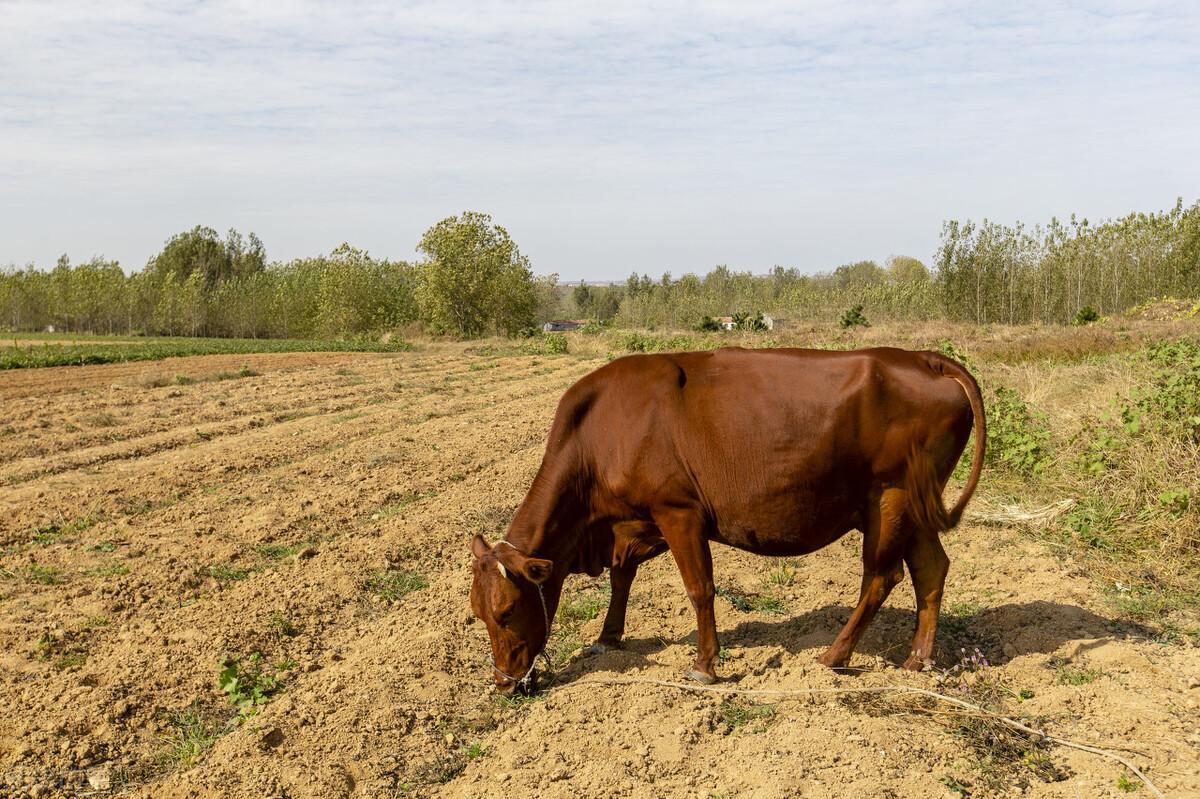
(727, 323)
(563, 325)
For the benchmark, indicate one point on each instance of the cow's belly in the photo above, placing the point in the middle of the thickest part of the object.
(794, 521)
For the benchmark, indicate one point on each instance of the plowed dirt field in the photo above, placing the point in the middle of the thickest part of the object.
(316, 509)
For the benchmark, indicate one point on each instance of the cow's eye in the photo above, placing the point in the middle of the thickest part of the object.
(504, 612)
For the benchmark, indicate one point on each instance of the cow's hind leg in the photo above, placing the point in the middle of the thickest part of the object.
(683, 531)
(884, 543)
(928, 564)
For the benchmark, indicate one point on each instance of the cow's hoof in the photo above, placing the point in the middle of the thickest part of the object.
(915, 663)
(604, 645)
(700, 677)
(832, 661)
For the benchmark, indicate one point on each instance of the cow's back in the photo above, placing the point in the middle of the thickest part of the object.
(781, 448)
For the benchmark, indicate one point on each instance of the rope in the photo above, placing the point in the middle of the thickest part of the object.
(896, 689)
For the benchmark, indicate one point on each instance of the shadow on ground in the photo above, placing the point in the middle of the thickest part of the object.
(1001, 633)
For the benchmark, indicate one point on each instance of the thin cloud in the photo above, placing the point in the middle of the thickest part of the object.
(611, 137)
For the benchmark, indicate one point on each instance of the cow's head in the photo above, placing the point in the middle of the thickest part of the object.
(506, 596)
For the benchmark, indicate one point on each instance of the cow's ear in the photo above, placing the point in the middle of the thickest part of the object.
(537, 570)
(479, 547)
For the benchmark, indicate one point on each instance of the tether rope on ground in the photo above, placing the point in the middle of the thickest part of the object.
(884, 689)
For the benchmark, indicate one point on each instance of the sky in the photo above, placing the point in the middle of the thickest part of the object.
(606, 137)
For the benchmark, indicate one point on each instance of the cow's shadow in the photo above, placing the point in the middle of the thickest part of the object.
(1000, 633)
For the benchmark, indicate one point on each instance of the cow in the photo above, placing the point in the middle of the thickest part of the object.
(776, 451)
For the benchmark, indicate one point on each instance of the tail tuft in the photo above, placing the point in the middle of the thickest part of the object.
(925, 504)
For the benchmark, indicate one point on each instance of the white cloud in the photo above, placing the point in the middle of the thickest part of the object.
(607, 137)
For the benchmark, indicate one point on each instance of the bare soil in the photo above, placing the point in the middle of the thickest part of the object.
(149, 531)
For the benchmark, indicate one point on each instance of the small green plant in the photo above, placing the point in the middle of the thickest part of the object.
(113, 568)
(183, 380)
(278, 551)
(1018, 438)
(393, 584)
(753, 322)
(281, 625)
(225, 574)
(955, 785)
(51, 533)
(1126, 785)
(708, 325)
(1175, 501)
(1085, 316)
(104, 546)
(782, 575)
(545, 344)
(35, 572)
(1067, 674)
(246, 684)
(737, 713)
(581, 607)
(192, 732)
(853, 317)
(953, 351)
(66, 652)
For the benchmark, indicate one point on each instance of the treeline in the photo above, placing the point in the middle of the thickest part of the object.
(903, 288)
(982, 272)
(474, 281)
(996, 273)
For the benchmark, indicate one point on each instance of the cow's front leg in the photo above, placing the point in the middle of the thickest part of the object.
(683, 531)
(620, 578)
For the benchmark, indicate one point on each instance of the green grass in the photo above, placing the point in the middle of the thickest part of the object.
(223, 573)
(46, 575)
(279, 551)
(1073, 675)
(113, 569)
(737, 713)
(51, 533)
(393, 584)
(578, 608)
(84, 350)
(192, 733)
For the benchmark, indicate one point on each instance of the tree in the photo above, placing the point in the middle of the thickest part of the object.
(581, 295)
(474, 278)
(904, 269)
(859, 273)
(201, 250)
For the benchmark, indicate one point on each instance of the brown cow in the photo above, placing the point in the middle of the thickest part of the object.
(777, 452)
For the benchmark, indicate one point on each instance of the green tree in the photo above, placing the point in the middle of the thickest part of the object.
(581, 295)
(904, 269)
(202, 250)
(474, 279)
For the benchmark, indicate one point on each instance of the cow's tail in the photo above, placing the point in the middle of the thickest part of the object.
(922, 482)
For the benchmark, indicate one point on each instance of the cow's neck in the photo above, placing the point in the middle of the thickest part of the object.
(548, 525)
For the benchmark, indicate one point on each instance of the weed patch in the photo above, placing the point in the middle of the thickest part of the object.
(192, 732)
(736, 713)
(247, 684)
(391, 585)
